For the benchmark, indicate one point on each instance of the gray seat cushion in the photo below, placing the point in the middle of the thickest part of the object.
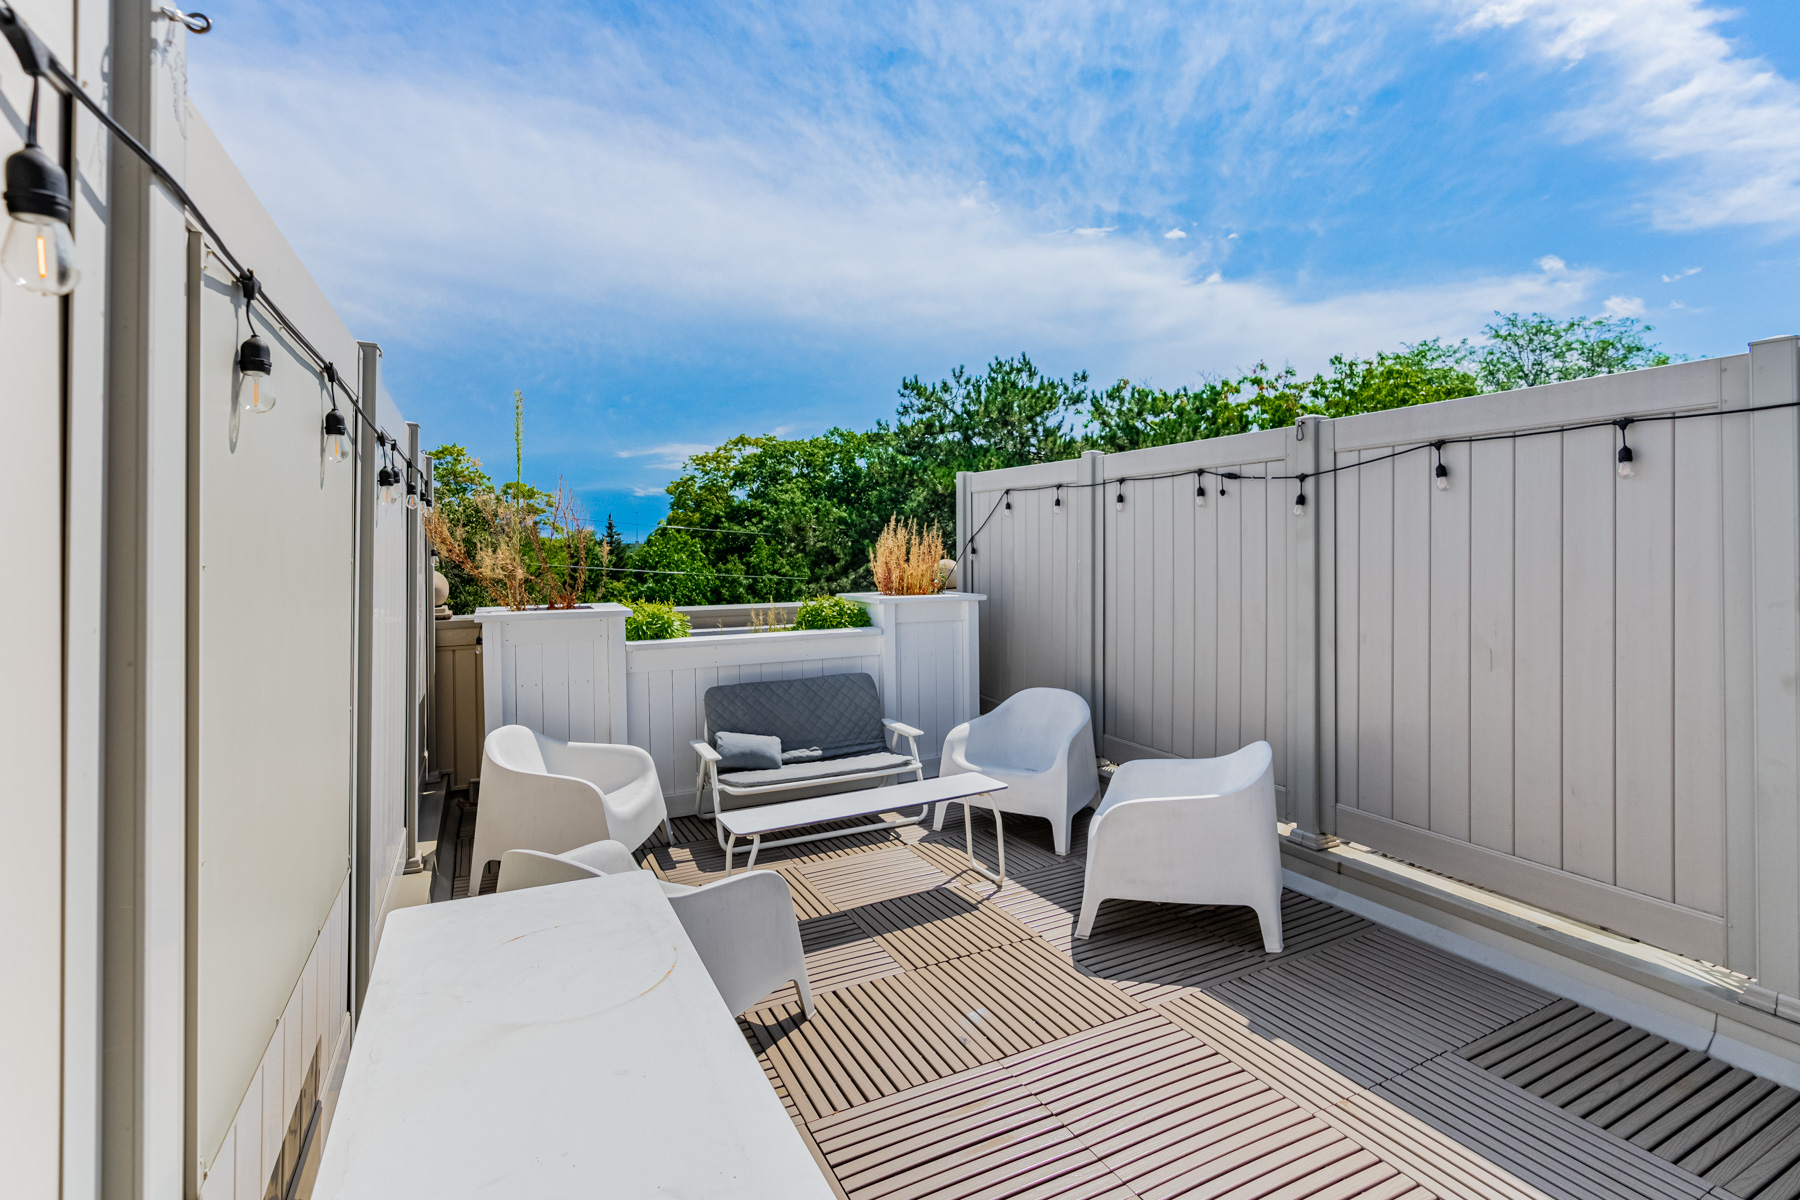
(840, 714)
(816, 772)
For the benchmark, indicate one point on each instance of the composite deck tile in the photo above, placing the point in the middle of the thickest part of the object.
(864, 1041)
(1562, 1155)
(948, 848)
(1439, 1162)
(704, 861)
(850, 881)
(1378, 1003)
(1717, 1122)
(839, 952)
(934, 926)
(1157, 951)
(976, 1135)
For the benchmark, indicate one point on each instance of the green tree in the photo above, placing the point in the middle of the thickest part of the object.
(1535, 350)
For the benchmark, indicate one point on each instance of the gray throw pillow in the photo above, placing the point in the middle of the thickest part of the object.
(810, 754)
(747, 751)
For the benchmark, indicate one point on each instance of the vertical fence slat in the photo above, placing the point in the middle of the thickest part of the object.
(1644, 665)
(1491, 560)
(1449, 647)
(1699, 667)
(1587, 674)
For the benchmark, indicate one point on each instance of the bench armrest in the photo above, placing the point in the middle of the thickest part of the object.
(705, 751)
(901, 728)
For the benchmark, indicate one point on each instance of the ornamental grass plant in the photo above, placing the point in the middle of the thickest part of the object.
(905, 559)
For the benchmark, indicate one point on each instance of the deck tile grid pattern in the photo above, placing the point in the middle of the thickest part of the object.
(936, 1046)
(1721, 1123)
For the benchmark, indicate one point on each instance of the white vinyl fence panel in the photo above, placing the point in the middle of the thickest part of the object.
(1574, 688)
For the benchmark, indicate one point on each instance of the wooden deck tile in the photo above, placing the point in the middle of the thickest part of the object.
(1440, 1162)
(977, 1135)
(1028, 844)
(850, 881)
(1562, 1155)
(1720, 1123)
(1378, 1003)
(1172, 1117)
(839, 952)
(935, 926)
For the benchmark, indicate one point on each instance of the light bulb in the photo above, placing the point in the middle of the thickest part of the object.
(1300, 504)
(254, 364)
(412, 495)
(388, 480)
(337, 436)
(1625, 462)
(1443, 478)
(1200, 495)
(1119, 500)
(39, 256)
(38, 253)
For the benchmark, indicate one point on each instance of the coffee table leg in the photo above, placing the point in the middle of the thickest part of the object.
(969, 842)
(755, 845)
(730, 846)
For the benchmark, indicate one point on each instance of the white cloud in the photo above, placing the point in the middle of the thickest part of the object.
(1681, 275)
(669, 456)
(1666, 85)
(1623, 306)
(652, 490)
(425, 204)
(1174, 235)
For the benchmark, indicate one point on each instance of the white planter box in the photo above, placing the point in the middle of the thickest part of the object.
(930, 662)
(571, 674)
(558, 671)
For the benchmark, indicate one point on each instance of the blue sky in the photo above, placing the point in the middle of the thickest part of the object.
(670, 224)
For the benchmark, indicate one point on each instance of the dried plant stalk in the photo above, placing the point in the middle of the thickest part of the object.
(905, 559)
(517, 556)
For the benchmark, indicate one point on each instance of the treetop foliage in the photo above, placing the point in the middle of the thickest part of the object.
(765, 518)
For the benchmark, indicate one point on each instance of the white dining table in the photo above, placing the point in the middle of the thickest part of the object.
(560, 1041)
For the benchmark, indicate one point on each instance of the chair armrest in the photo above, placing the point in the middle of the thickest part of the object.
(742, 926)
(902, 728)
(608, 766)
(705, 751)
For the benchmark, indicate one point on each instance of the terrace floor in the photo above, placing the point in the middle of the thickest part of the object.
(965, 1047)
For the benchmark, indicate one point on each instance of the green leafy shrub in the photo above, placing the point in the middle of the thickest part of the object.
(830, 612)
(651, 622)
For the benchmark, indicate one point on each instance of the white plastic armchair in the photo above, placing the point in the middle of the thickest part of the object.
(743, 927)
(542, 793)
(1039, 743)
(1189, 831)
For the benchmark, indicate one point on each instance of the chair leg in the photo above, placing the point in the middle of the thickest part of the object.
(1090, 908)
(1059, 834)
(805, 988)
(1268, 917)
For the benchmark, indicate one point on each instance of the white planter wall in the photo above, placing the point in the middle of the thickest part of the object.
(559, 672)
(572, 674)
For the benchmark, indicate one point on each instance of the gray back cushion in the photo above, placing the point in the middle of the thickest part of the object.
(840, 714)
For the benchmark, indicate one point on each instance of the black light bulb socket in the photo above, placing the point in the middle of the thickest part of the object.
(334, 424)
(36, 186)
(255, 357)
(1624, 454)
(1300, 500)
(387, 477)
(1442, 471)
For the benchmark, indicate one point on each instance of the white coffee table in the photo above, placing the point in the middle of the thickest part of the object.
(753, 823)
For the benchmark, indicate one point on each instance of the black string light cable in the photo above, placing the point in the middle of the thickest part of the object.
(37, 193)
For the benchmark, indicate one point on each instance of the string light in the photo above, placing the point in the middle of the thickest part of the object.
(1300, 497)
(38, 242)
(1443, 472)
(255, 361)
(412, 489)
(1119, 500)
(1057, 503)
(1625, 455)
(1199, 489)
(38, 253)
